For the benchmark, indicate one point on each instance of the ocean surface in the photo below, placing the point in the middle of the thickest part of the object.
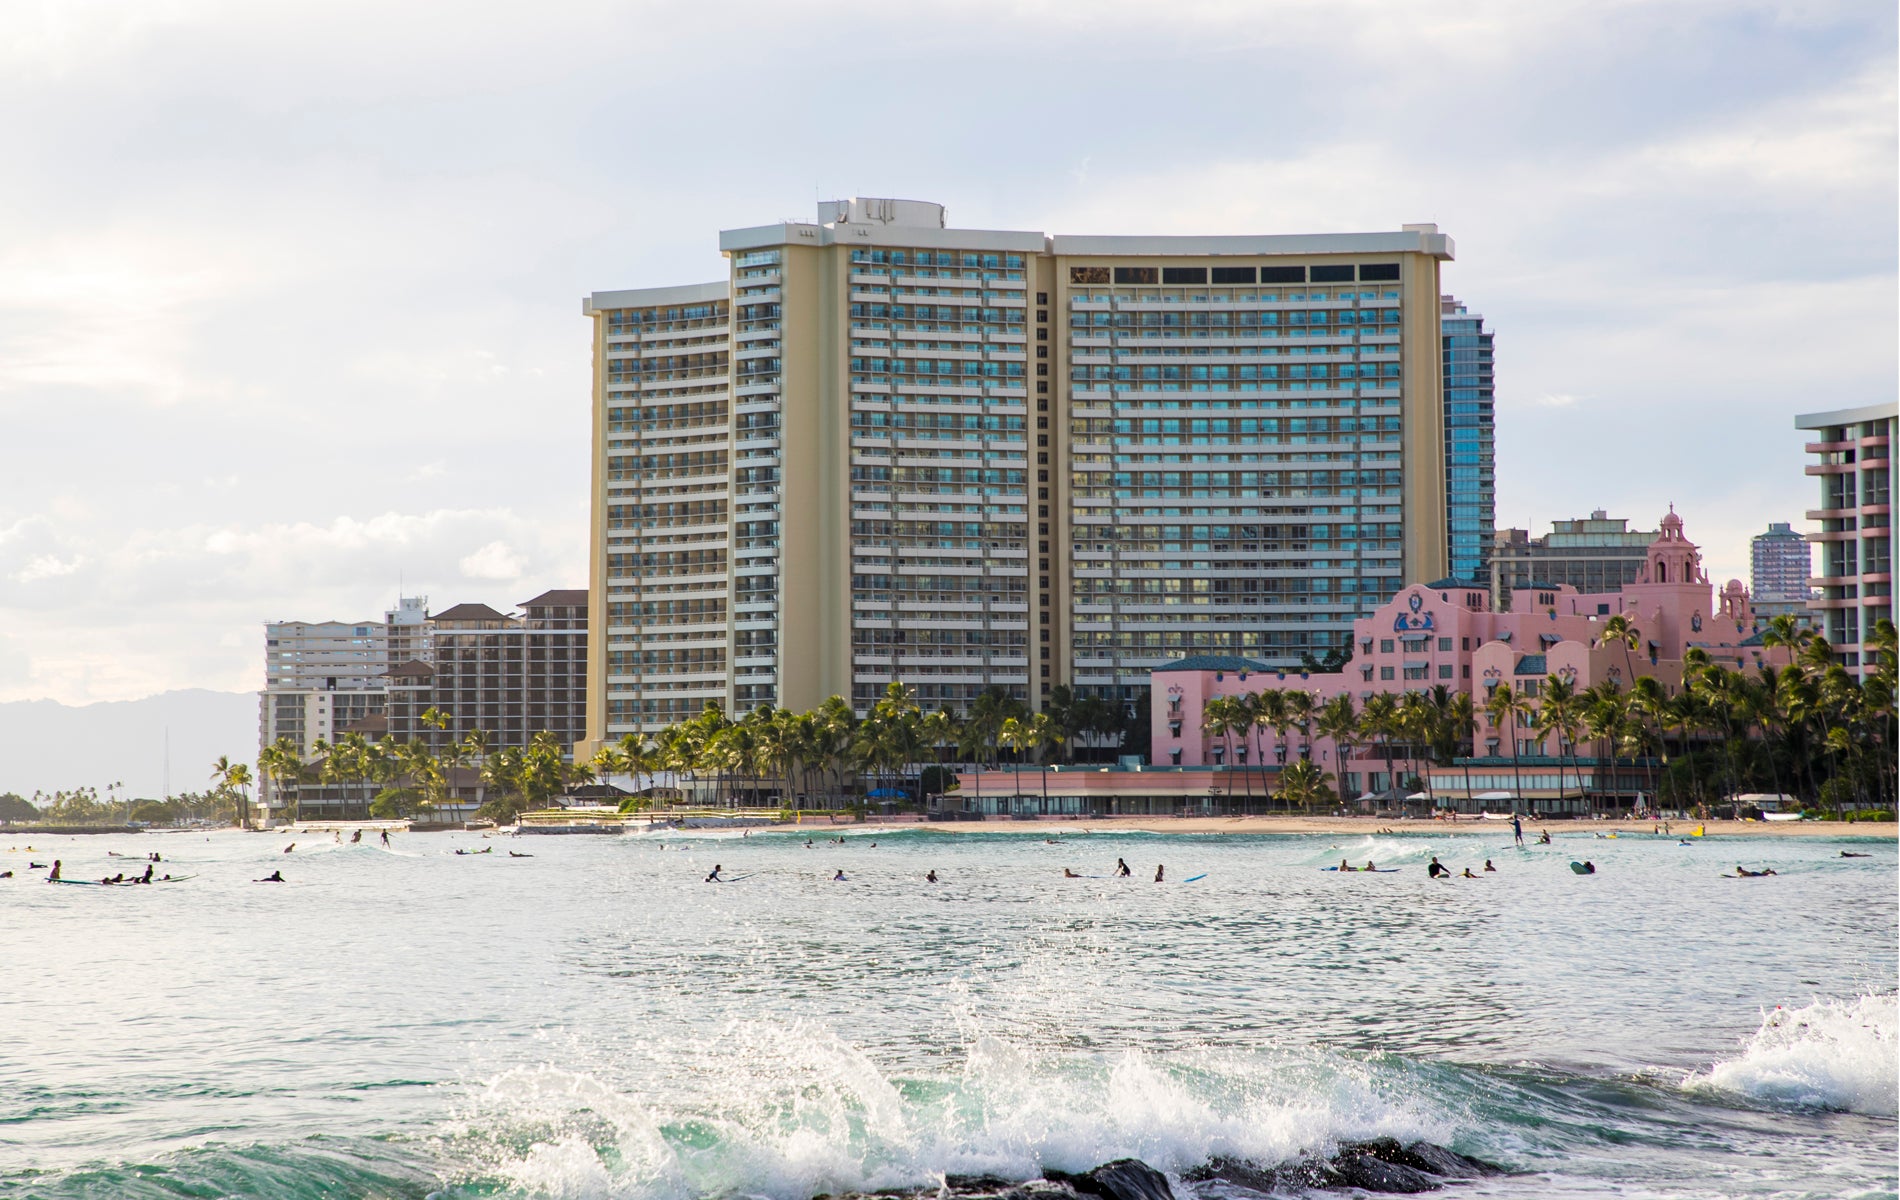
(597, 1021)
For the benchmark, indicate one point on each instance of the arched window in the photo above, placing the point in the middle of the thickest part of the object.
(1662, 571)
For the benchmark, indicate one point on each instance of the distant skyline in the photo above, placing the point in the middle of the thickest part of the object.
(289, 294)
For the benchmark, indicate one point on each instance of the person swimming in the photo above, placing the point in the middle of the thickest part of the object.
(714, 876)
(839, 877)
(1488, 866)
(273, 877)
(1121, 868)
(930, 876)
(1436, 869)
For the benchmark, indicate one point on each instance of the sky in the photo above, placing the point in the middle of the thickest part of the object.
(290, 293)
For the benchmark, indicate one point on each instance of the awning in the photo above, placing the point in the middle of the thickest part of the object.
(1495, 796)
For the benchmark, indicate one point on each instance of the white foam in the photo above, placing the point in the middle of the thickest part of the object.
(1833, 1054)
(789, 1110)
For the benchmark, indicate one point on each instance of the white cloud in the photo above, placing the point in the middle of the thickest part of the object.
(496, 561)
(1556, 400)
(47, 566)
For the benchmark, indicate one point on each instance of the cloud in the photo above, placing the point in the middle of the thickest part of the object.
(493, 561)
(288, 318)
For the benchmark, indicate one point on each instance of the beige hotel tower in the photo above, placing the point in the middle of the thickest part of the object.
(880, 448)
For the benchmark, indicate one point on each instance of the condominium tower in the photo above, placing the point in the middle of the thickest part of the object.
(1853, 458)
(885, 449)
(1471, 478)
(1779, 565)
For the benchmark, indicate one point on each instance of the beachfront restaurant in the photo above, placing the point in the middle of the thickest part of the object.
(1092, 790)
(1571, 786)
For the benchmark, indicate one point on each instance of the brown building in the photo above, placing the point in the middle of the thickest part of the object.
(509, 676)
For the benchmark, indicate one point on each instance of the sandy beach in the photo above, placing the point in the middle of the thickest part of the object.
(1368, 825)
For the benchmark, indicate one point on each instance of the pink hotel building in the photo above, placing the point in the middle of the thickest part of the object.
(1447, 633)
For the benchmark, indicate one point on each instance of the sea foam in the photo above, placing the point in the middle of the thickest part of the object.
(793, 1111)
(1833, 1054)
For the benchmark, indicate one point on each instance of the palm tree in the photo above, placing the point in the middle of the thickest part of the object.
(1619, 630)
(1502, 705)
(1338, 723)
(1379, 720)
(1562, 714)
(1305, 783)
(280, 763)
(235, 777)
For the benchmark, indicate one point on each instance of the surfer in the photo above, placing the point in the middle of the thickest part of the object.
(148, 874)
(385, 837)
(54, 877)
(1589, 868)
(1159, 872)
(1468, 874)
(1517, 828)
(1742, 872)
(289, 848)
(6, 874)
(1543, 837)
(518, 854)
(1488, 866)
(1844, 854)
(1436, 869)
(356, 836)
(1345, 866)
(930, 876)
(1121, 869)
(839, 877)
(1069, 874)
(273, 877)
(714, 877)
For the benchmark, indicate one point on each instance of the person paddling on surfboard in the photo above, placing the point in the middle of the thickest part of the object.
(1468, 874)
(1742, 872)
(714, 877)
(273, 877)
(1346, 866)
(1069, 874)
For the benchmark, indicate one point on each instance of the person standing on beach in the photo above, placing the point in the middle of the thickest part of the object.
(1517, 828)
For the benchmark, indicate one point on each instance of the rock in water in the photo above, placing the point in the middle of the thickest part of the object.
(1123, 1179)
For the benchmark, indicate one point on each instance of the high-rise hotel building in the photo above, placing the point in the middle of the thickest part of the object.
(884, 449)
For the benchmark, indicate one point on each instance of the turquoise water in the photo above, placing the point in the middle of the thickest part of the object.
(596, 1021)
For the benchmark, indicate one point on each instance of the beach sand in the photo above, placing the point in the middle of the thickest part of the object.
(1369, 825)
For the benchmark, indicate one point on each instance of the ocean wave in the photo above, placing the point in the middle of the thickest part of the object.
(1841, 1055)
(791, 1111)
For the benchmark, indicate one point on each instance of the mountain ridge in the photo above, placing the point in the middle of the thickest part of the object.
(46, 745)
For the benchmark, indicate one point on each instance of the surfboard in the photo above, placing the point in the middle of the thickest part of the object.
(733, 878)
(1192, 878)
(1364, 871)
(1580, 869)
(175, 879)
